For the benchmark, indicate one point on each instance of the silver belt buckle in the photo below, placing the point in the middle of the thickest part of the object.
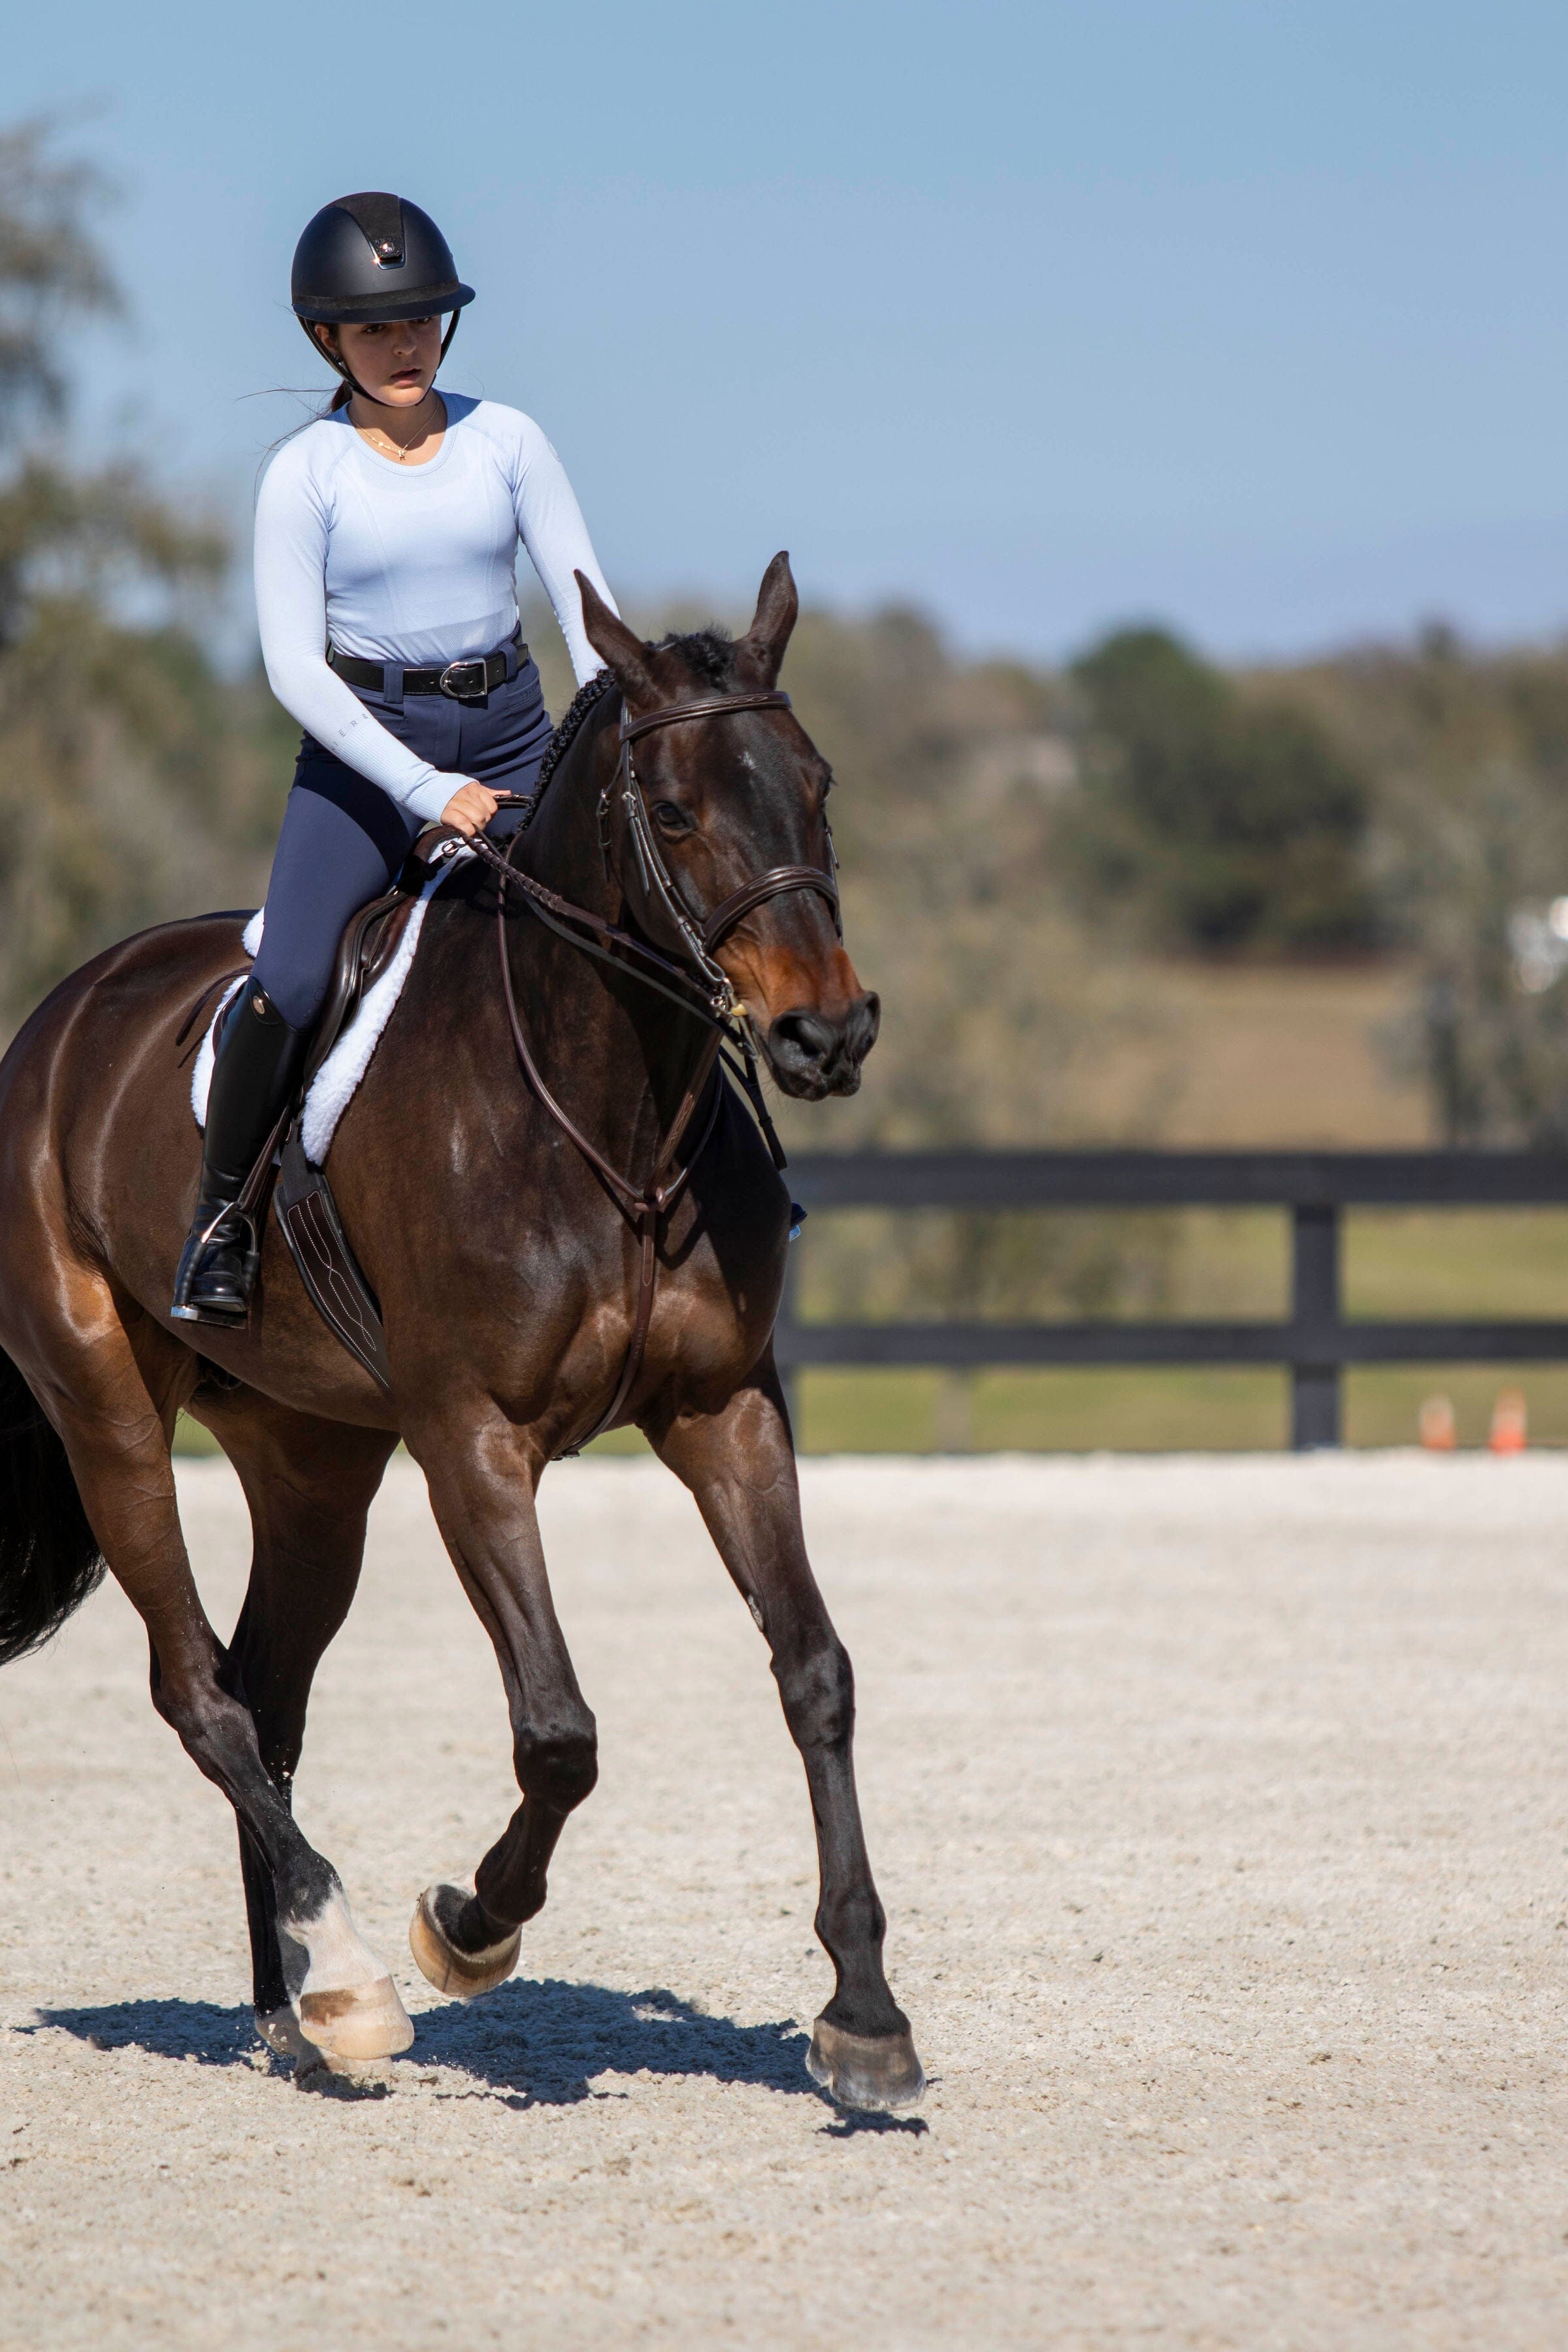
(475, 680)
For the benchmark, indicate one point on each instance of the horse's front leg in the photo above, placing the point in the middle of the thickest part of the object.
(740, 1465)
(482, 1479)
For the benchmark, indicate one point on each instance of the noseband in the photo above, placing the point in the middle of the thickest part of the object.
(704, 991)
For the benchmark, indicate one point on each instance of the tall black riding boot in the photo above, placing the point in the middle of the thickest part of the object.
(257, 1065)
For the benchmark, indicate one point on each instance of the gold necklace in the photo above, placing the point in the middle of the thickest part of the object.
(398, 449)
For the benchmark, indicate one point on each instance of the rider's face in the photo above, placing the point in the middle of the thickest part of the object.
(394, 360)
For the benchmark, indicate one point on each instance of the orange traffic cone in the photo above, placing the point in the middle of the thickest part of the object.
(1436, 1425)
(1510, 1423)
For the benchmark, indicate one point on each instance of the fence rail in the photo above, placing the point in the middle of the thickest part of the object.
(1314, 1187)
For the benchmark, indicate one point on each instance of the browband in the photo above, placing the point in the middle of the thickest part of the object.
(673, 711)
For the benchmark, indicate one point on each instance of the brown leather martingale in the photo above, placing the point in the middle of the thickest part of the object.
(645, 1207)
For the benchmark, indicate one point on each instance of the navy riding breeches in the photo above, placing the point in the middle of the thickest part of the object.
(344, 839)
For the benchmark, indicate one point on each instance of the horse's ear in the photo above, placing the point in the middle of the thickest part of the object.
(622, 655)
(777, 606)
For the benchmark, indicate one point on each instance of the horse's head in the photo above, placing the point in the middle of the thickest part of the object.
(730, 799)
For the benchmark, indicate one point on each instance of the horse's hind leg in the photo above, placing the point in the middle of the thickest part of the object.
(739, 1467)
(100, 1399)
(310, 1485)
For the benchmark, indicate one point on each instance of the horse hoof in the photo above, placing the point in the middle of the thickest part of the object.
(364, 2021)
(461, 1974)
(279, 2028)
(874, 2072)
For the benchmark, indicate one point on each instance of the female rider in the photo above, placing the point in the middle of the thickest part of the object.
(386, 536)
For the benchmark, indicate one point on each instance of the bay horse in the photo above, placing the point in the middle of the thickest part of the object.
(481, 1201)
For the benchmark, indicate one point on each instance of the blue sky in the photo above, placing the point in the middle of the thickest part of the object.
(1251, 315)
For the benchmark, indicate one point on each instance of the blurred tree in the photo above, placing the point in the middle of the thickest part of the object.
(134, 784)
(995, 1012)
(50, 270)
(1467, 881)
(1469, 852)
(1224, 820)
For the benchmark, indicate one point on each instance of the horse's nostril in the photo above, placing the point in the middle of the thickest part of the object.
(803, 1037)
(861, 1029)
(813, 1054)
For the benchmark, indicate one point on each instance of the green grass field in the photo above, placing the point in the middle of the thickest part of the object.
(1396, 1263)
(1158, 1412)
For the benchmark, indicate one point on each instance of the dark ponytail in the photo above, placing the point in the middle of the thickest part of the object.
(343, 395)
(344, 391)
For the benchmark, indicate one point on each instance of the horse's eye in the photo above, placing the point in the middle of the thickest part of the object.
(670, 818)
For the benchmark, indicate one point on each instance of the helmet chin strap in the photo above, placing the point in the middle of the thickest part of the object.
(352, 380)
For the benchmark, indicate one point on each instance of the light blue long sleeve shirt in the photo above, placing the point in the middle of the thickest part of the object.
(414, 564)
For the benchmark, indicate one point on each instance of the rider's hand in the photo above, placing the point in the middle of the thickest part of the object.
(470, 808)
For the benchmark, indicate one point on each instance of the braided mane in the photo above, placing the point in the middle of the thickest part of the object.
(587, 699)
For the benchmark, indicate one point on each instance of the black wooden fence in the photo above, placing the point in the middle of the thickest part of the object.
(1315, 1187)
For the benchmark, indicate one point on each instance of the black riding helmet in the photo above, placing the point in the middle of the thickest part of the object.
(369, 257)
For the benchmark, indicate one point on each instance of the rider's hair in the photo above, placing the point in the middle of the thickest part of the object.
(340, 398)
(344, 391)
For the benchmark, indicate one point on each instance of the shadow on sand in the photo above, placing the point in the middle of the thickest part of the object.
(530, 2043)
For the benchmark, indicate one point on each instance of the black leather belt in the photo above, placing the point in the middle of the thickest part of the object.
(460, 681)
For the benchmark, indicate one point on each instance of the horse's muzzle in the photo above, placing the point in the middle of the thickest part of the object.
(813, 1052)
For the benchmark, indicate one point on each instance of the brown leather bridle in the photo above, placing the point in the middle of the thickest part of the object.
(704, 990)
(699, 935)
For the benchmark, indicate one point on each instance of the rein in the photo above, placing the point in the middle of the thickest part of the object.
(702, 991)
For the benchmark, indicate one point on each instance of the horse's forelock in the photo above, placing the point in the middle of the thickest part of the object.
(708, 654)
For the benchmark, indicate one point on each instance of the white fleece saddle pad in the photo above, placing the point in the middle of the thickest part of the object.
(334, 1085)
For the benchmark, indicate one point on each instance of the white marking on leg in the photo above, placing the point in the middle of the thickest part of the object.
(346, 2003)
(335, 1957)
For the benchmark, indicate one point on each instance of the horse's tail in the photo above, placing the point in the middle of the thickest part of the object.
(49, 1558)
